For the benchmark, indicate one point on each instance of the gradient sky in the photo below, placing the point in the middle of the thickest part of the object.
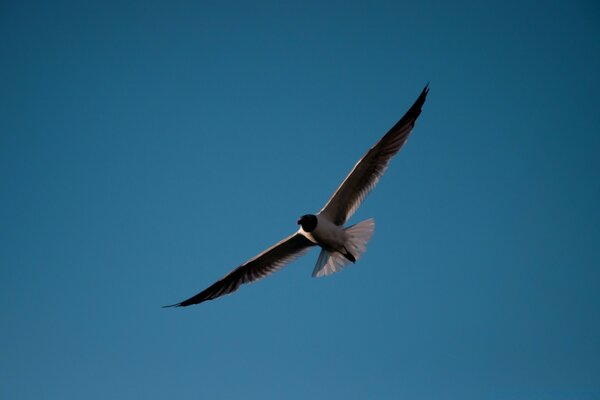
(148, 148)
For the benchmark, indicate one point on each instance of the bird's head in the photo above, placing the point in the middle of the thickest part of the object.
(308, 222)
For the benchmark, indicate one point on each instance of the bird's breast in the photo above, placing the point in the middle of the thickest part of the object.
(327, 234)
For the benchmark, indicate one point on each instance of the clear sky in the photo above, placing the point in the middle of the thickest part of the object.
(148, 148)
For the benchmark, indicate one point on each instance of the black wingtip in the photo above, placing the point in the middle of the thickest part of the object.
(413, 112)
(416, 107)
(188, 302)
(424, 92)
(172, 305)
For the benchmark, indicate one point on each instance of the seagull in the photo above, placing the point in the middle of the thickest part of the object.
(340, 246)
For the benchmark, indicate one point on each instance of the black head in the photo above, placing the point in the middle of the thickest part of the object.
(308, 222)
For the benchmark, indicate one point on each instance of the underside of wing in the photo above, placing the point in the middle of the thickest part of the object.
(258, 267)
(367, 171)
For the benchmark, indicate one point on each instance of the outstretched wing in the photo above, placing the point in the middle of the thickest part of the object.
(258, 267)
(367, 171)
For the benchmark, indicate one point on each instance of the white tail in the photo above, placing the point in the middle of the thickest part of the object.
(358, 237)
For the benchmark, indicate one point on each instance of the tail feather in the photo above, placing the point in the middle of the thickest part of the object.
(358, 237)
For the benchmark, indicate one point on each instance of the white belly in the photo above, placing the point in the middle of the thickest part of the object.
(327, 234)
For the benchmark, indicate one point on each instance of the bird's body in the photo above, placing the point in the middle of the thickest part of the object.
(340, 245)
(326, 234)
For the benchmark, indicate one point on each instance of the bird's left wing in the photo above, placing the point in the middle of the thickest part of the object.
(258, 267)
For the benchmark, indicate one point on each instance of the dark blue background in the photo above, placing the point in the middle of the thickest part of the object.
(147, 148)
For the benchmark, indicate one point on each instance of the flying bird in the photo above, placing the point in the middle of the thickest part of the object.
(340, 246)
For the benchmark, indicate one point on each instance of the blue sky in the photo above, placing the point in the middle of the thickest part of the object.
(147, 148)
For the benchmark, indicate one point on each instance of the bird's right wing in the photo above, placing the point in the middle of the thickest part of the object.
(367, 171)
(258, 267)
